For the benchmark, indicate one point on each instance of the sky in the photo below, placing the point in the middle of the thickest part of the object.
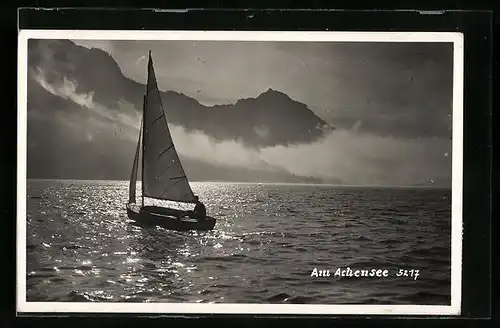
(389, 89)
(391, 103)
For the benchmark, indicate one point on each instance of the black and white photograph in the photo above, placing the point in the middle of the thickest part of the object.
(239, 172)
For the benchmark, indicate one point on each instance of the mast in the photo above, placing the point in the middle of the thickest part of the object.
(142, 150)
(143, 128)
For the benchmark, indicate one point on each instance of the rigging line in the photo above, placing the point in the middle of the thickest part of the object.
(158, 118)
(163, 152)
(175, 178)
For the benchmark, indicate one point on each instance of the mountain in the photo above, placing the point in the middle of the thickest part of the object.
(66, 139)
(270, 119)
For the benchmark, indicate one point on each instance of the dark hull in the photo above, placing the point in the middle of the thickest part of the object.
(167, 218)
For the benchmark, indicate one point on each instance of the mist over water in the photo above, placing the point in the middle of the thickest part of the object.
(346, 156)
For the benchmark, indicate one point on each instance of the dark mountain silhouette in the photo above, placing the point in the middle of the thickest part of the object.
(60, 148)
(270, 119)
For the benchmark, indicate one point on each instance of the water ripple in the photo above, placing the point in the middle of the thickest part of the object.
(82, 248)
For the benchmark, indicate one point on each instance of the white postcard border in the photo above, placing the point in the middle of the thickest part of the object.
(183, 308)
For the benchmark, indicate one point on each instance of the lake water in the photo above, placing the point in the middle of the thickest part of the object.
(267, 241)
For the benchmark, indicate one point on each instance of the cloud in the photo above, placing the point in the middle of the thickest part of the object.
(345, 155)
(65, 90)
(357, 158)
(195, 145)
(388, 86)
(124, 112)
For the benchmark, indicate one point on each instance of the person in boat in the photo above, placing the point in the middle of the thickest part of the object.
(200, 211)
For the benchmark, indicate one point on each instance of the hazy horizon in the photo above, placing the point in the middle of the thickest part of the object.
(260, 183)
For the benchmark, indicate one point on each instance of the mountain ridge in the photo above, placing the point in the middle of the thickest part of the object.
(288, 121)
(79, 143)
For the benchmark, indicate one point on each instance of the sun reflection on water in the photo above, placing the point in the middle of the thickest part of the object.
(83, 247)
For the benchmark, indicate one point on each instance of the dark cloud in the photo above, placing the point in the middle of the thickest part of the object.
(397, 89)
(391, 104)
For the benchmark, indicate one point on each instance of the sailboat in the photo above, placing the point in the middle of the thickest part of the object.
(163, 176)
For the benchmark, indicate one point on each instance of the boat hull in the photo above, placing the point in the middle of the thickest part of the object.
(167, 218)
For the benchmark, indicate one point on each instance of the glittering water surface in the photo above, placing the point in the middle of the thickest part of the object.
(267, 240)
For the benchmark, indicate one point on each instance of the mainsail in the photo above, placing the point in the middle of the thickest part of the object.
(133, 176)
(163, 176)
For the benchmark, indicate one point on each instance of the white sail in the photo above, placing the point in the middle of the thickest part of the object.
(163, 176)
(133, 176)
